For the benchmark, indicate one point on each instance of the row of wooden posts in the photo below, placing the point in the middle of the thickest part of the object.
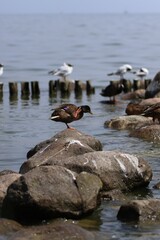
(66, 87)
(134, 85)
(33, 88)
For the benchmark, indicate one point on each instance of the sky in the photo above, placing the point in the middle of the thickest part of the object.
(79, 6)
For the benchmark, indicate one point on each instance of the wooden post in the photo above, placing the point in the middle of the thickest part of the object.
(52, 88)
(25, 91)
(35, 89)
(138, 84)
(13, 88)
(147, 82)
(127, 85)
(78, 88)
(1, 91)
(89, 88)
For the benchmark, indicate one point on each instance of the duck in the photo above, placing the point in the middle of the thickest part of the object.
(111, 91)
(68, 113)
(121, 71)
(141, 73)
(1, 69)
(63, 71)
(153, 111)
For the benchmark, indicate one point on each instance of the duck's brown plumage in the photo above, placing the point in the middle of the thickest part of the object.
(68, 113)
(153, 111)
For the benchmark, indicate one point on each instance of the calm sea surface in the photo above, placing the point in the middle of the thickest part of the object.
(32, 45)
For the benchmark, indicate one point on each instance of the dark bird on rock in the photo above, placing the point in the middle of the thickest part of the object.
(112, 90)
(153, 111)
(68, 113)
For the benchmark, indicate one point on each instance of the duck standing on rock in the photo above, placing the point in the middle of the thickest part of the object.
(121, 71)
(68, 113)
(63, 71)
(153, 111)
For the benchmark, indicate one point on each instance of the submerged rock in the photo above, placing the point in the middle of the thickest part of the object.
(57, 231)
(149, 132)
(140, 210)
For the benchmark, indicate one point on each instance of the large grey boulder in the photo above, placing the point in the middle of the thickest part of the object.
(116, 170)
(63, 145)
(50, 192)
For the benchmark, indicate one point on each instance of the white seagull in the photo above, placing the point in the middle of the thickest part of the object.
(1, 69)
(63, 71)
(142, 73)
(121, 71)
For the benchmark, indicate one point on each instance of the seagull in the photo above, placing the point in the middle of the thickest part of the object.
(63, 71)
(1, 69)
(142, 72)
(121, 71)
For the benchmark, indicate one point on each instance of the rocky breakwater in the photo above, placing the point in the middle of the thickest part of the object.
(67, 176)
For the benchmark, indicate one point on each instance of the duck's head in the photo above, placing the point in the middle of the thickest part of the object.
(86, 109)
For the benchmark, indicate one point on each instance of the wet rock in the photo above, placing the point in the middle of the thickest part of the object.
(149, 132)
(138, 94)
(6, 178)
(57, 231)
(127, 122)
(49, 192)
(114, 195)
(115, 169)
(154, 87)
(140, 210)
(8, 227)
(64, 144)
(65, 137)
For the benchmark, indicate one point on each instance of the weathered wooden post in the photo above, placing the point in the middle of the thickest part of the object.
(35, 89)
(25, 91)
(127, 85)
(89, 88)
(1, 91)
(78, 88)
(138, 84)
(13, 88)
(147, 82)
(52, 88)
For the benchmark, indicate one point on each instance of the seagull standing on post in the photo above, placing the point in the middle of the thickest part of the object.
(142, 73)
(63, 71)
(121, 71)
